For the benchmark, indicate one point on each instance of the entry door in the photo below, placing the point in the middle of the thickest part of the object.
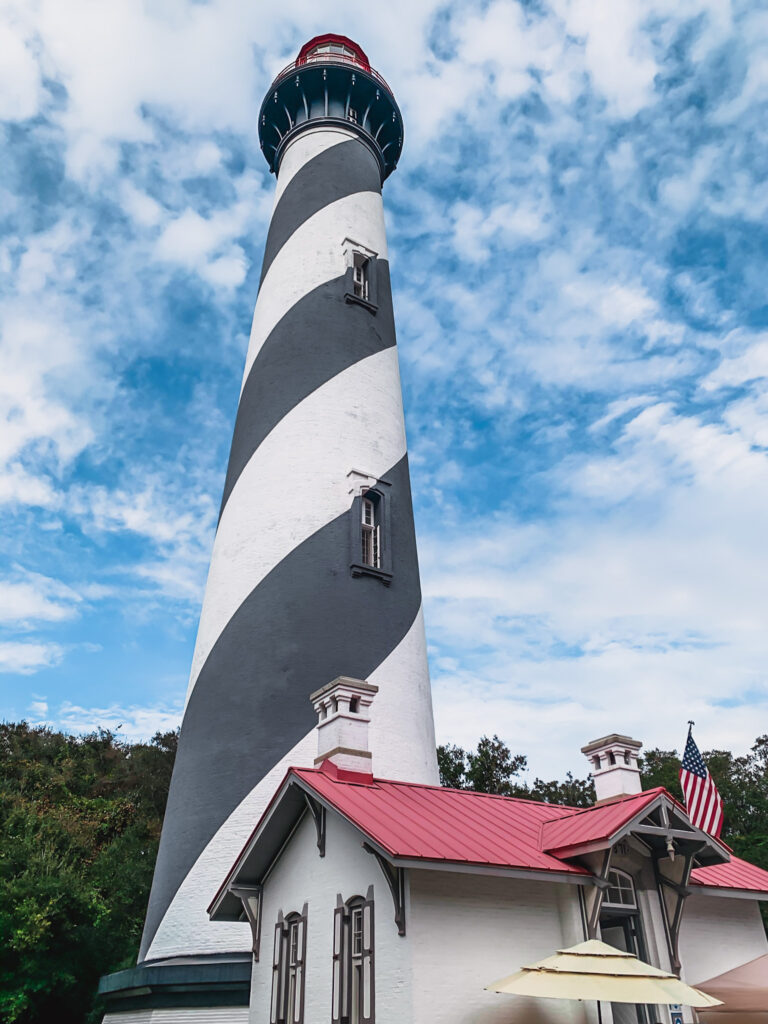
(622, 931)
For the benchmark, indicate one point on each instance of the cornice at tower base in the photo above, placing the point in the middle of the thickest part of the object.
(181, 983)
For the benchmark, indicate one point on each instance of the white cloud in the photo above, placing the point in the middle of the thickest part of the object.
(25, 658)
(618, 56)
(131, 722)
(20, 85)
(31, 598)
(750, 365)
(143, 208)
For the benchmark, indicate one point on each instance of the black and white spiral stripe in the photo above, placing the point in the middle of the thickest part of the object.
(282, 614)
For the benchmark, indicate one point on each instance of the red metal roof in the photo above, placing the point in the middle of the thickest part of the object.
(737, 874)
(593, 824)
(431, 823)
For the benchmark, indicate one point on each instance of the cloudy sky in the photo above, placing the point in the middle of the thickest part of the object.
(579, 248)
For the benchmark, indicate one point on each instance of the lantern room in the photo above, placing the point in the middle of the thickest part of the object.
(331, 83)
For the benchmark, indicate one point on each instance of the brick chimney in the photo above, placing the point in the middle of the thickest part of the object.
(615, 770)
(343, 717)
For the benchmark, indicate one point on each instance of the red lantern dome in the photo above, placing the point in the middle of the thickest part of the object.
(333, 47)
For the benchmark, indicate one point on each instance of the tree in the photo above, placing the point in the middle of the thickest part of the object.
(80, 820)
(492, 767)
(572, 792)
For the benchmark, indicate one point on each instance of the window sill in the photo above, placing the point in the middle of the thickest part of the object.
(358, 569)
(352, 298)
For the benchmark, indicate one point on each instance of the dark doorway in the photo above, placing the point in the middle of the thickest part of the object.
(621, 926)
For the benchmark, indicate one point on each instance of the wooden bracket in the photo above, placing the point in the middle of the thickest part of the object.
(672, 921)
(396, 881)
(600, 882)
(318, 815)
(250, 897)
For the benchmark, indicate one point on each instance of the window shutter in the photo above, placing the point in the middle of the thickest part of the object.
(368, 1009)
(301, 956)
(373, 273)
(277, 1016)
(338, 1000)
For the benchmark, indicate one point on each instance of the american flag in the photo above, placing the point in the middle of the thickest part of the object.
(704, 803)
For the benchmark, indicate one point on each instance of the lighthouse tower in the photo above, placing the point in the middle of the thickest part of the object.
(314, 571)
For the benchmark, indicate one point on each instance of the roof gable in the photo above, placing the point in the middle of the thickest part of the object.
(567, 833)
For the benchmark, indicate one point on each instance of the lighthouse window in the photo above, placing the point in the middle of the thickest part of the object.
(361, 276)
(371, 535)
(371, 548)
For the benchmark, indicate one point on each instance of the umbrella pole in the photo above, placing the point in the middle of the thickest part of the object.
(599, 1013)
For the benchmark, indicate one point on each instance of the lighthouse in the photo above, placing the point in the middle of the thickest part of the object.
(314, 572)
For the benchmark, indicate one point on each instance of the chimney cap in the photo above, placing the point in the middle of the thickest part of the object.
(345, 682)
(613, 739)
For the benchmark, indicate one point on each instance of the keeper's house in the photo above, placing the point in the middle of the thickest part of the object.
(378, 901)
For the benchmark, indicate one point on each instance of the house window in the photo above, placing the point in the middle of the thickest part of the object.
(620, 891)
(353, 965)
(288, 970)
(370, 535)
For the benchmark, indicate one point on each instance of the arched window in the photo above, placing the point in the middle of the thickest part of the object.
(620, 891)
(353, 963)
(288, 958)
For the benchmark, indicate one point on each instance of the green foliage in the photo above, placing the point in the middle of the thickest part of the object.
(452, 765)
(492, 768)
(80, 819)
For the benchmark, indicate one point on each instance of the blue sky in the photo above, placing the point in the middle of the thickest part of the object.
(578, 240)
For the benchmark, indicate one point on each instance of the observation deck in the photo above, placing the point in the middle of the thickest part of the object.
(332, 83)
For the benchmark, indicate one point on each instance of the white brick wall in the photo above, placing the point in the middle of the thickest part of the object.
(300, 876)
(717, 934)
(469, 930)
(192, 1015)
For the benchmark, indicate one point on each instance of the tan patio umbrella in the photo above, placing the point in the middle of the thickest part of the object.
(595, 970)
(744, 992)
